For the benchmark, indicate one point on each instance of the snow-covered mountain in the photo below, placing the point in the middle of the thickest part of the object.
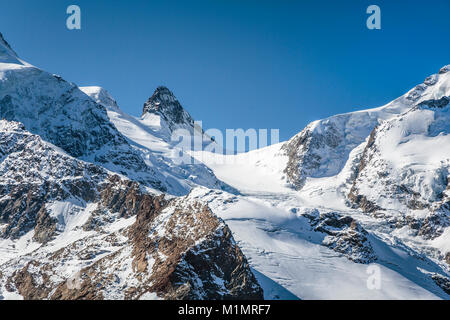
(64, 115)
(164, 113)
(81, 210)
(370, 185)
(82, 214)
(72, 230)
(154, 145)
(405, 166)
(323, 147)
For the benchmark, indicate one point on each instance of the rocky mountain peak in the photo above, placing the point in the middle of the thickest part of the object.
(10, 126)
(161, 97)
(164, 103)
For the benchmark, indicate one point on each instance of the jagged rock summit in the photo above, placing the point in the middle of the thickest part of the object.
(163, 112)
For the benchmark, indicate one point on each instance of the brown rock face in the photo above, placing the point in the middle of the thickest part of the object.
(442, 282)
(306, 152)
(356, 199)
(345, 236)
(175, 249)
(196, 256)
(295, 151)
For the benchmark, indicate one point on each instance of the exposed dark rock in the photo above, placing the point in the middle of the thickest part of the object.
(195, 254)
(444, 69)
(164, 103)
(344, 235)
(436, 103)
(31, 286)
(442, 282)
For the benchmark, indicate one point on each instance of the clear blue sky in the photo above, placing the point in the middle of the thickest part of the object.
(238, 64)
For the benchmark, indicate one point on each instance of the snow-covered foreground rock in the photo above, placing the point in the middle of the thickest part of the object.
(95, 205)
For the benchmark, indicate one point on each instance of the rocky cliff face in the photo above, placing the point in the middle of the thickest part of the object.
(35, 174)
(404, 171)
(164, 104)
(116, 239)
(343, 235)
(173, 250)
(164, 112)
(81, 212)
(62, 114)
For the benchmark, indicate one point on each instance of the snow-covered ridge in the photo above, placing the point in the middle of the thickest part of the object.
(8, 55)
(4, 43)
(101, 96)
(154, 146)
(323, 147)
(63, 115)
(405, 169)
(77, 120)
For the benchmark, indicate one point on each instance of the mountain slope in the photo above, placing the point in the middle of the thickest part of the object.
(405, 169)
(78, 122)
(65, 116)
(72, 223)
(323, 147)
(61, 217)
(315, 215)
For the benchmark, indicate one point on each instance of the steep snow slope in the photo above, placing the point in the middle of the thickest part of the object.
(8, 56)
(323, 147)
(158, 153)
(404, 171)
(62, 114)
(84, 125)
